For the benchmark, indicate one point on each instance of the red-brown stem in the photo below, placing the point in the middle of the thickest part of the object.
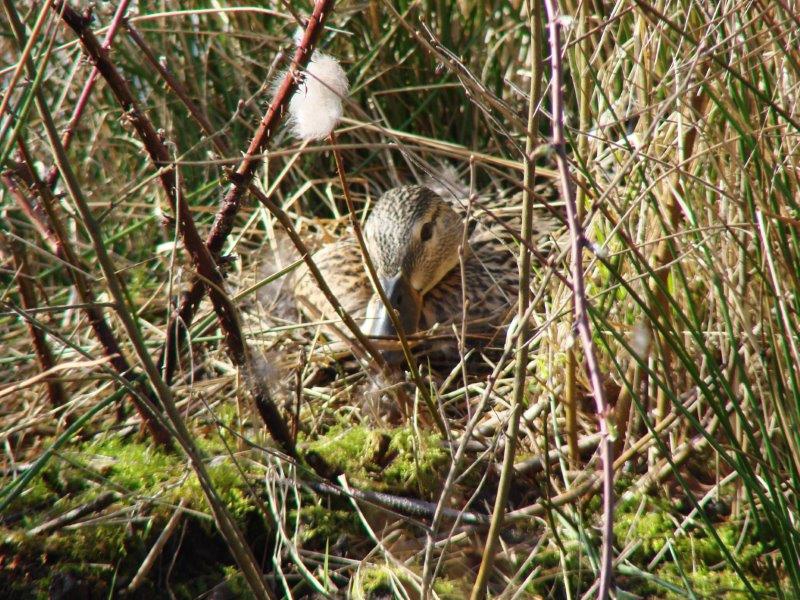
(132, 112)
(223, 223)
(202, 259)
(32, 209)
(241, 178)
(225, 522)
(83, 100)
(157, 150)
(577, 241)
(44, 216)
(55, 389)
(63, 250)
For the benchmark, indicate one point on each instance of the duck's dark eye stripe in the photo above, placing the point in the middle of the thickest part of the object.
(426, 232)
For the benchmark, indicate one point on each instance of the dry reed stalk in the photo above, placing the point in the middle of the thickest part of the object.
(522, 332)
(44, 356)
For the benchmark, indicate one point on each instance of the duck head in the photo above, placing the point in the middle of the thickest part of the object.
(412, 237)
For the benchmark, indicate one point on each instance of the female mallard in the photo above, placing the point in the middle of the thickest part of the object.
(413, 238)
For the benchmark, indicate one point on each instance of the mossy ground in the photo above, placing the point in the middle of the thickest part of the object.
(692, 562)
(380, 581)
(397, 460)
(105, 554)
(97, 556)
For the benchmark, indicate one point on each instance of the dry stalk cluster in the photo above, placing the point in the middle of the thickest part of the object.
(653, 358)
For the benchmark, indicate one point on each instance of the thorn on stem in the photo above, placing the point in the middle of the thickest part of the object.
(87, 16)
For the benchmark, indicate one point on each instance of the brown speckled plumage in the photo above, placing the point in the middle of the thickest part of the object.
(413, 232)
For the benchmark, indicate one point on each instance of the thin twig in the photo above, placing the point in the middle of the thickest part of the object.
(157, 150)
(577, 242)
(583, 52)
(412, 363)
(83, 99)
(87, 365)
(158, 547)
(102, 502)
(44, 356)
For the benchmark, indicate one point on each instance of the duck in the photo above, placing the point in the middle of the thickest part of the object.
(414, 238)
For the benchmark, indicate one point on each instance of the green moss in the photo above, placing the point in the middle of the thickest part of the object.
(117, 549)
(706, 550)
(320, 523)
(451, 589)
(376, 581)
(342, 448)
(42, 491)
(372, 582)
(418, 461)
(396, 460)
(228, 482)
(704, 582)
(695, 550)
(87, 554)
(651, 528)
(134, 466)
(546, 559)
(102, 542)
(148, 471)
(236, 582)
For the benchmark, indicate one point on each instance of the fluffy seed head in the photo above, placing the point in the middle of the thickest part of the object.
(316, 106)
(641, 340)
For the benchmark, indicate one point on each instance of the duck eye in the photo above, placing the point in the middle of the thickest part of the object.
(426, 232)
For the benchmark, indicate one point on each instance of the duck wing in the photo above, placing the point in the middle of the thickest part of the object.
(490, 274)
(343, 270)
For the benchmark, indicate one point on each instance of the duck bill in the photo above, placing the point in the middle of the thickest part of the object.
(405, 300)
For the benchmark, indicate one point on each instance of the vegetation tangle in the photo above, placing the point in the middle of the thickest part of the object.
(179, 421)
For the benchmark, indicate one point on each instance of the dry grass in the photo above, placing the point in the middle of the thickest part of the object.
(683, 126)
